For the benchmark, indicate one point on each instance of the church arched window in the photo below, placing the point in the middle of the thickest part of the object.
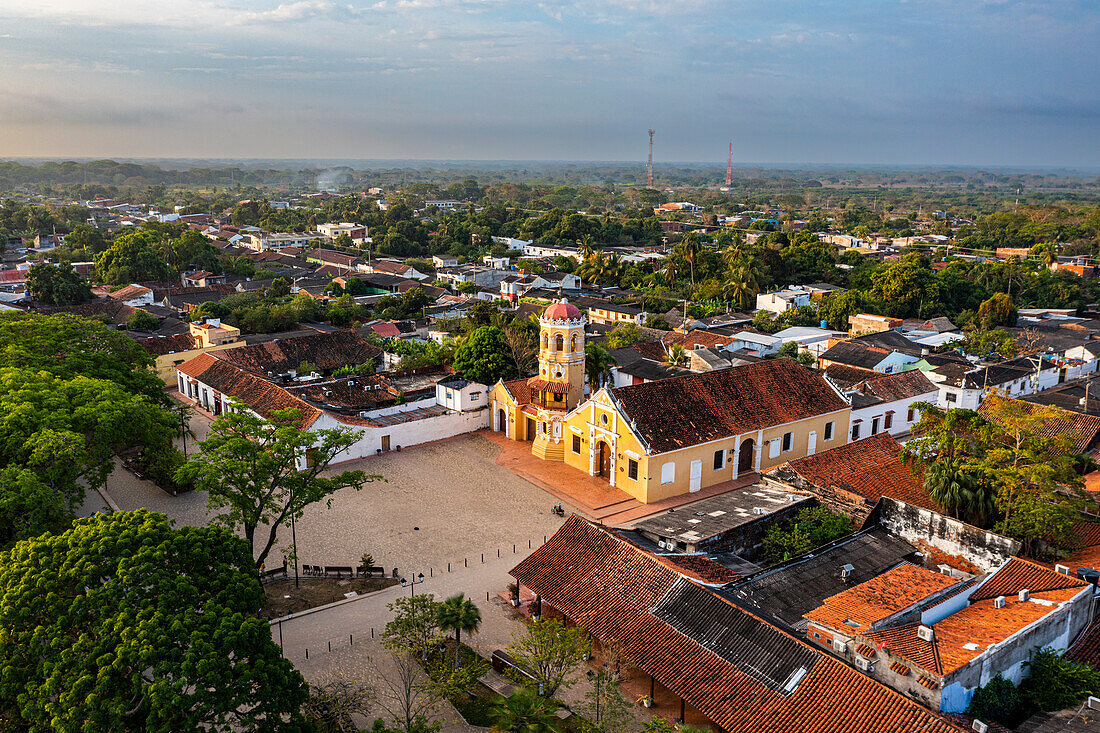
(573, 344)
(545, 342)
(559, 343)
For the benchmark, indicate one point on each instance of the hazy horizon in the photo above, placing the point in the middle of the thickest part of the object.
(905, 83)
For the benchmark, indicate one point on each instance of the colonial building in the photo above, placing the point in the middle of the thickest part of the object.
(661, 439)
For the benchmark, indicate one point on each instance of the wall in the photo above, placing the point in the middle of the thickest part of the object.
(406, 434)
(744, 539)
(1010, 657)
(900, 423)
(986, 550)
(166, 363)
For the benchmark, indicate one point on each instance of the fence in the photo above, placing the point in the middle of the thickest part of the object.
(353, 636)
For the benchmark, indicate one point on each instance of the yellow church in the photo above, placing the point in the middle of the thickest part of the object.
(669, 437)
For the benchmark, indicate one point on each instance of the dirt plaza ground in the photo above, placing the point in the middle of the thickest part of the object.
(441, 503)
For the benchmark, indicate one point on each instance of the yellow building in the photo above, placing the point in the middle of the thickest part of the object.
(169, 352)
(673, 436)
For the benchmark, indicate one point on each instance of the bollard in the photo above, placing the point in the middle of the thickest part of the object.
(486, 595)
(307, 652)
(483, 557)
(330, 645)
(431, 573)
(351, 641)
(498, 552)
(448, 567)
(372, 632)
(528, 544)
(464, 563)
(513, 549)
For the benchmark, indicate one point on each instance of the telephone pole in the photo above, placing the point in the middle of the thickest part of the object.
(649, 167)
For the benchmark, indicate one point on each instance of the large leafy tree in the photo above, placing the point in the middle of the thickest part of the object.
(28, 507)
(524, 711)
(126, 623)
(68, 346)
(260, 472)
(58, 285)
(551, 651)
(67, 430)
(998, 310)
(483, 356)
(906, 288)
(134, 257)
(597, 365)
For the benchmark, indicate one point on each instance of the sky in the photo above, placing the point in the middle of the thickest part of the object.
(964, 82)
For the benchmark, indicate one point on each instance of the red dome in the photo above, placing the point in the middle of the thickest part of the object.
(562, 311)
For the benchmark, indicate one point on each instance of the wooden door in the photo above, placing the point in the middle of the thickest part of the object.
(745, 460)
(605, 460)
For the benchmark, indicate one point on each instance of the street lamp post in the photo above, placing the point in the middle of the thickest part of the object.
(416, 580)
(597, 677)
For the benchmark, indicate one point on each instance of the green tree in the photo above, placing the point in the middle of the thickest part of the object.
(28, 507)
(87, 238)
(597, 366)
(483, 356)
(136, 625)
(998, 310)
(624, 334)
(524, 711)
(143, 321)
(415, 624)
(997, 701)
(68, 346)
(67, 431)
(906, 288)
(260, 472)
(808, 529)
(551, 651)
(58, 285)
(458, 613)
(134, 257)
(1057, 683)
(959, 492)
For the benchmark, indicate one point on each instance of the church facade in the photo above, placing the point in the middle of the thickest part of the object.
(669, 437)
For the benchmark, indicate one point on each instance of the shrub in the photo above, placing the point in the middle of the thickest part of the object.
(1057, 683)
(998, 701)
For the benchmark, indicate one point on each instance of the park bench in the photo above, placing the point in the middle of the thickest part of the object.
(364, 571)
(339, 571)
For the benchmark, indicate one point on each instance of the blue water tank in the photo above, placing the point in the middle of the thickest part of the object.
(824, 323)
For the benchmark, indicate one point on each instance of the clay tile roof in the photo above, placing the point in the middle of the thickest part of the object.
(327, 351)
(1088, 533)
(703, 568)
(848, 376)
(699, 646)
(129, 292)
(866, 650)
(928, 682)
(161, 345)
(1087, 647)
(385, 329)
(262, 396)
(869, 467)
(699, 337)
(901, 386)
(696, 408)
(899, 668)
(855, 354)
(1019, 574)
(545, 385)
(902, 641)
(519, 390)
(897, 589)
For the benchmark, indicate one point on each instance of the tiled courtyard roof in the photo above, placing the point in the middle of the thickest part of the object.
(869, 467)
(261, 396)
(895, 590)
(721, 659)
(326, 351)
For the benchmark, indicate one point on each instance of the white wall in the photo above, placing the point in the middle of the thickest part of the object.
(900, 423)
(406, 434)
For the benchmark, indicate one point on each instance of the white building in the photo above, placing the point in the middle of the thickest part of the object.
(262, 241)
(516, 245)
(332, 230)
(808, 338)
(782, 301)
(884, 403)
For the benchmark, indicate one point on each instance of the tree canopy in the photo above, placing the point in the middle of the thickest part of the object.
(58, 285)
(483, 356)
(126, 623)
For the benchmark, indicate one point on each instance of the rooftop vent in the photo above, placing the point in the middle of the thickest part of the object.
(759, 510)
(1063, 569)
(1093, 703)
(846, 570)
(979, 726)
(1024, 595)
(925, 633)
(999, 602)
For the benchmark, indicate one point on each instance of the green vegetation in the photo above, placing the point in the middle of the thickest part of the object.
(59, 285)
(173, 610)
(552, 652)
(999, 469)
(483, 356)
(808, 529)
(252, 470)
(1055, 683)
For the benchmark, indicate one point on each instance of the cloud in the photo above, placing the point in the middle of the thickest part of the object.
(294, 11)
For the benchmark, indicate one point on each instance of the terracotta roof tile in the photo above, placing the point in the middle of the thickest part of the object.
(613, 588)
(899, 668)
(262, 396)
(1019, 574)
(895, 590)
(1081, 430)
(695, 408)
(848, 376)
(902, 641)
(900, 386)
(869, 467)
(928, 682)
(701, 567)
(519, 390)
(866, 650)
(326, 351)
(161, 345)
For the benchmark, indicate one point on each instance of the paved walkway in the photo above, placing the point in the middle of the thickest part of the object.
(592, 495)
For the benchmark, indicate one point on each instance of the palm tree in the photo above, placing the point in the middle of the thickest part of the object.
(676, 355)
(959, 491)
(689, 249)
(524, 712)
(670, 270)
(597, 366)
(586, 246)
(458, 613)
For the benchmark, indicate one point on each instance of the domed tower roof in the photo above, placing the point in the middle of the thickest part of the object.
(562, 311)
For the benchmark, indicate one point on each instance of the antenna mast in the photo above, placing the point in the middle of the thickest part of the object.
(649, 167)
(729, 167)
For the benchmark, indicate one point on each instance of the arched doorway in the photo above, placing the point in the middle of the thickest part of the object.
(603, 460)
(746, 457)
(502, 422)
